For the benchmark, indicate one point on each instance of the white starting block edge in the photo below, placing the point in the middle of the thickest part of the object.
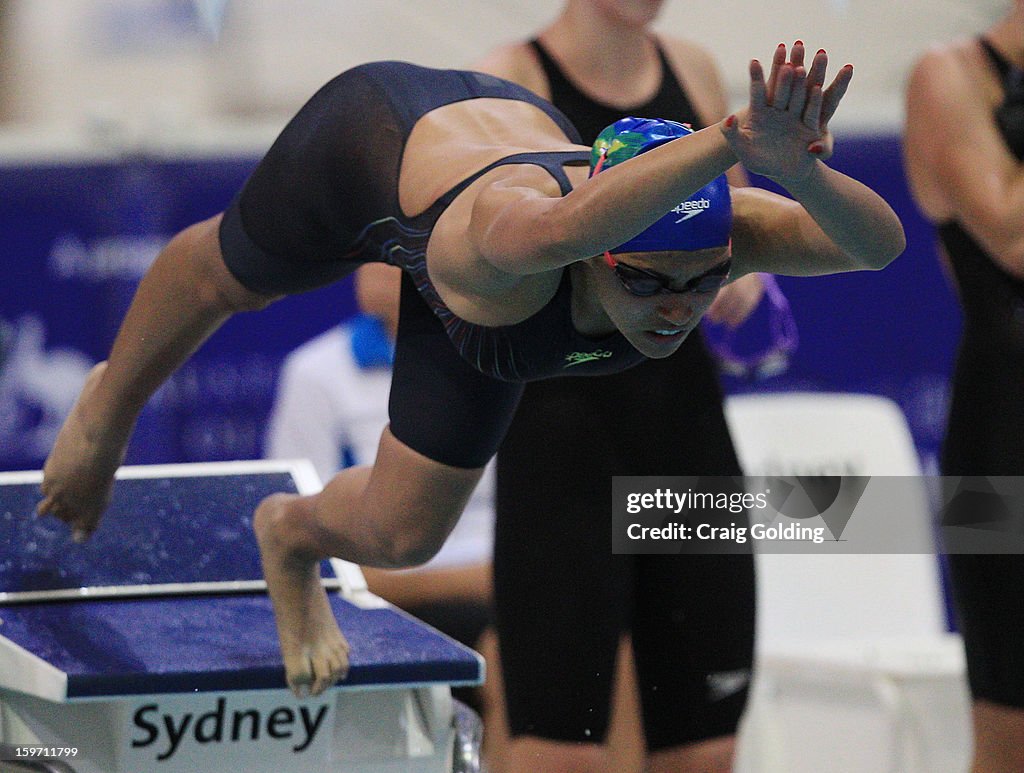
(349, 580)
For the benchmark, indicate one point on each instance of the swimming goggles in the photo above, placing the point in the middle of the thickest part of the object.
(644, 284)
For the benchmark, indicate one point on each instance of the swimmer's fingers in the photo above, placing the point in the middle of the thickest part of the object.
(798, 98)
(783, 88)
(823, 146)
(796, 54)
(812, 110)
(730, 128)
(816, 72)
(833, 95)
(778, 62)
(758, 87)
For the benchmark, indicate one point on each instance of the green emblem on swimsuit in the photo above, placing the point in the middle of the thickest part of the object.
(578, 358)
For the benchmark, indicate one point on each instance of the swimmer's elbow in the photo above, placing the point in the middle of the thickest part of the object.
(875, 249)
(529, 231)
(196, 250)
(546, 242)
(892, 244)
(556, 242)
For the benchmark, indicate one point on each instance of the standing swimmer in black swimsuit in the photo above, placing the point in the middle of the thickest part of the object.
(563, 601)
(478, 189)
(964, 147)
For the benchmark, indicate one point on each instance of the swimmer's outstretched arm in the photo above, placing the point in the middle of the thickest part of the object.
(184, 297)
(524, 230)
(782, 134)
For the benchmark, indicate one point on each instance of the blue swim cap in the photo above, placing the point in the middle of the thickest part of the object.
(701, 221)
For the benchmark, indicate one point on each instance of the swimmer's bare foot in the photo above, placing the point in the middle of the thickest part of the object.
(79, 473)
(314, 650)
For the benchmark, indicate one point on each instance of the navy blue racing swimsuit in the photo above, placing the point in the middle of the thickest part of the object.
(546, 344)
(324, 200)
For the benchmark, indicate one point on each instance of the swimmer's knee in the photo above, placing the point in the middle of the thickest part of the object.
(275, 513)
(222, 289)
(406, 549)
(240, 298)
(215, 284)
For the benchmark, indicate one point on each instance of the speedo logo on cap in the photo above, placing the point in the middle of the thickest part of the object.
(690, 208)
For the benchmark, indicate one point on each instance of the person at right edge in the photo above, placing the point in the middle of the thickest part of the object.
(964, 142)
(563, 601)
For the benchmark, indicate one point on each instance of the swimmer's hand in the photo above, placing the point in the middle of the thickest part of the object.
(784, 131)
(79, 474)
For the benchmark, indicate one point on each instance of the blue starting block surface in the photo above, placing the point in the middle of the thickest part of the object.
(119, 647)
(168, 529)
(142, 609)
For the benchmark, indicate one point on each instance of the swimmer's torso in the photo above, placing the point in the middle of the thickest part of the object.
(381, 165)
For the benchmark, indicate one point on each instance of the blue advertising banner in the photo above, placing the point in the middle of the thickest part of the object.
(77, 238)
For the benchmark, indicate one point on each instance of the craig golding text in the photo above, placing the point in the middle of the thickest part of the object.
(732, 532)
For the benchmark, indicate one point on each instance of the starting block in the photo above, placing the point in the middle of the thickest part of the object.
(153, 646)
(852, 675)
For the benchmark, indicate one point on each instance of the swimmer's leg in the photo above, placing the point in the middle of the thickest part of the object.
(998, 737)
(395, 514)
(187, 293)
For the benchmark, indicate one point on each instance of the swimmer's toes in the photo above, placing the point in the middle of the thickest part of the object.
(340, 668)
(323, 681)
(328, 668)
(299, 675)
(336, 651)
